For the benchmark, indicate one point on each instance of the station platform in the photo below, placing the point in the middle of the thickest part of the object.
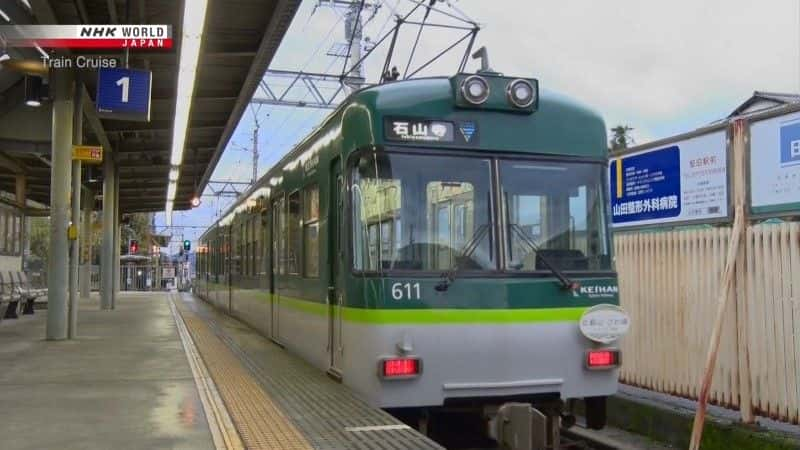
(165, 370)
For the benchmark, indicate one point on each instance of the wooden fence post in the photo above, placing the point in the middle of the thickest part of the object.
(735, 253)
(740, 143)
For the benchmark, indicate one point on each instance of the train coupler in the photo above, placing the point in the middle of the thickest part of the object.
(520, 426)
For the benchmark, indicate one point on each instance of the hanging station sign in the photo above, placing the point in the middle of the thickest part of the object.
(682, 181)
(89, 154)
(775, 165)
(124, 94)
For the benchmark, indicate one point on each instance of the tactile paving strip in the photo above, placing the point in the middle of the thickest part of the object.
(260, 423)
(329, 416)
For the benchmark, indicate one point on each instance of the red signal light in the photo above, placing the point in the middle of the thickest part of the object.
(133, 247)
(602, 359)
(400, 367)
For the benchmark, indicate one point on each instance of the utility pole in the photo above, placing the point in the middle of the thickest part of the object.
(255, 155)
(353, 33)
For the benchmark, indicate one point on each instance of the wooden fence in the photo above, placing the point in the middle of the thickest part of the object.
(668, 283)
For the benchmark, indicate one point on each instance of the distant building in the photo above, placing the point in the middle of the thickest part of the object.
(762, 101)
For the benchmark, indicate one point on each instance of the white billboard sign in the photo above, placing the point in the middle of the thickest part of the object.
(775, 164)
(682, 181)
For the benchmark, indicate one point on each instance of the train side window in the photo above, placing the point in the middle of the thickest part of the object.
(294, 240)
(3, 217)
(311, 231)
(279, 242)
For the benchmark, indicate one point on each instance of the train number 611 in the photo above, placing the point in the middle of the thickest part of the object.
(408, 291)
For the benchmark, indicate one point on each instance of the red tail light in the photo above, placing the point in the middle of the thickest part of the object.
(400, 367)
(602, 359)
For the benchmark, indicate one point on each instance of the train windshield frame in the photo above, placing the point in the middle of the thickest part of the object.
(554, 212)
(425, 212)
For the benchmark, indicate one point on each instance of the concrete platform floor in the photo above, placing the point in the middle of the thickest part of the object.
(125, 383)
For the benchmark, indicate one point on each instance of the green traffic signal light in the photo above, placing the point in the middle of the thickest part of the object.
(187, 245)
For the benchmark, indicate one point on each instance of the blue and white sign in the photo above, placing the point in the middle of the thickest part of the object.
(775, 164)
(124, 94)
(682, 181)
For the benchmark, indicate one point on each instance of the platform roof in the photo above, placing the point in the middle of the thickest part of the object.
(240, 39)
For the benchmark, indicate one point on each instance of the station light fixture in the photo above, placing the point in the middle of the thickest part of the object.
(168, 212)
(475, 89)
(174, 173)
(521, 93)
(33, 91)
(195, 201)
(194, 17)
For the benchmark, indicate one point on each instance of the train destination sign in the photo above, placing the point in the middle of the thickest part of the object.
(124, 94)
(89, 154)
(424, 130)
(682, 181)
(775, 164)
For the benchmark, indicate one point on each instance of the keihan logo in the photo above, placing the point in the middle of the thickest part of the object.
(467, 130)
(596, 291)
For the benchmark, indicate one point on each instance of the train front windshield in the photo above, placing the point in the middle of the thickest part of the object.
(433, 213)
(554, 211)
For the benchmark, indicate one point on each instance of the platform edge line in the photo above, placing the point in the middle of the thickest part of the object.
(223, 431)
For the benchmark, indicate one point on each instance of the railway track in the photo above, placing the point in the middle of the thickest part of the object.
(580, 438)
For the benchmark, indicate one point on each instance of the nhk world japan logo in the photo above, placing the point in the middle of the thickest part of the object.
(154, 37)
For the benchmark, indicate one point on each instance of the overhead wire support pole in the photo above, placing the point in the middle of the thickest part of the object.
(352, 35)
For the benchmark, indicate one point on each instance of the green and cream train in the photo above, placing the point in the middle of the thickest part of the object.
(433, 243)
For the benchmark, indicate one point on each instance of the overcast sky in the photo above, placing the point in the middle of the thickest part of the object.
(660, 67)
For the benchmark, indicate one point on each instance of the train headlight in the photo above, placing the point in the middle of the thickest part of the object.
(520, 93)
(475, 89)
(604, 323)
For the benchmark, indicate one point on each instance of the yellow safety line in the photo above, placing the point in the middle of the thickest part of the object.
(223, 432)
(259, 421)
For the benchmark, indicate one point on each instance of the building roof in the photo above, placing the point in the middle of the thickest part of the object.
(762, 100)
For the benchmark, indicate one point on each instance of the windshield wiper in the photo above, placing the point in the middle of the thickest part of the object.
(466, 251)
(566, 282)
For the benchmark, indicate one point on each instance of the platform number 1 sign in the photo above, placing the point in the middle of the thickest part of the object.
(125, 82)
(124, 94)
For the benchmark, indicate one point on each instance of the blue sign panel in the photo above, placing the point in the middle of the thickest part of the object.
(790, 144)
(646, 186)
(123, 94)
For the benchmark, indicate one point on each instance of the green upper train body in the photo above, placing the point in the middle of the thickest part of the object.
(496, 182)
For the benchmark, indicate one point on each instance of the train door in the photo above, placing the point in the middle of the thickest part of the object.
(267, 280)
(228, 289)
(337, 269)
(278, 263)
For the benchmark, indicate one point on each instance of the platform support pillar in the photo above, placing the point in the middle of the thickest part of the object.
(107, 256)
(21, 194)
(117, 237)
(62, 88)
(85, 277)
(75, 213)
